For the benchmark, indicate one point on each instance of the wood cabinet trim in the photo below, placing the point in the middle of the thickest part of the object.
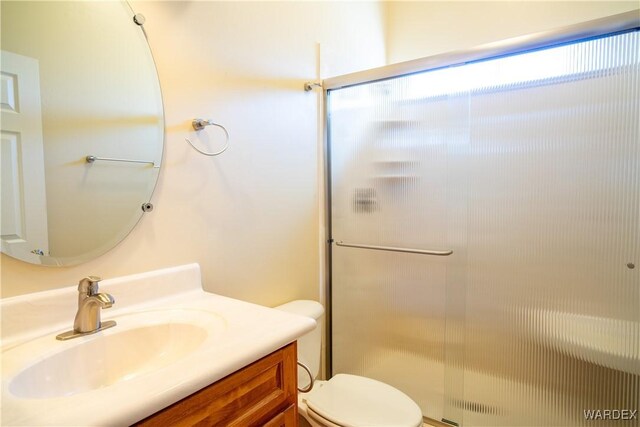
(252, 396)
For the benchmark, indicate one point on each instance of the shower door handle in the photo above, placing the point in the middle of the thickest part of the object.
(395, 249)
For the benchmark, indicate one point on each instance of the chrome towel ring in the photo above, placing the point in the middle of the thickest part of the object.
(310, 386)
(199, 124)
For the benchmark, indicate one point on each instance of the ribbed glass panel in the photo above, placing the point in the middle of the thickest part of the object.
(553, 310)
(389, 162)
(528, 168)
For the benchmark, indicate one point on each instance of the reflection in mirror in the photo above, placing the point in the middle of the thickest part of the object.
(78, 80)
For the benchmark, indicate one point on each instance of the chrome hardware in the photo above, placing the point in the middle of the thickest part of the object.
(393, 249)
(91, 159)
(139, 19)
(309, 86)
(147, 207)
(310, 386)
(90, 302)
(199, 124)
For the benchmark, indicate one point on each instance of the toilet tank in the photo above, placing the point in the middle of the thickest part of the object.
(309, 345)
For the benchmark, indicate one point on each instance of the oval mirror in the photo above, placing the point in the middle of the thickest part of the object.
(82, 128)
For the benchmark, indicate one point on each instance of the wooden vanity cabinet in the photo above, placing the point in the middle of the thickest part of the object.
(261, 394)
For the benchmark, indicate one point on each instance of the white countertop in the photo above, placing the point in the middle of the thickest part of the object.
(243, 333)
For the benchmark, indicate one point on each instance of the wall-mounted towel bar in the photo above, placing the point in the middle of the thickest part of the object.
(91, 159)
(394, 249)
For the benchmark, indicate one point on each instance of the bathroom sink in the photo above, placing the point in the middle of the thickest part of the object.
(139, 344)
(171, 339)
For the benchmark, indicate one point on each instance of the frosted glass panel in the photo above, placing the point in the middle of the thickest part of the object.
(528, 168)
(389, 162)
(553, 310)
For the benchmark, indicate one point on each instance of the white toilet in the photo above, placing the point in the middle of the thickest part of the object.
(345, 400)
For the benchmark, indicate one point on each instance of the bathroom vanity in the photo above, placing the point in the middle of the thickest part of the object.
(261, 394)
(177, 356)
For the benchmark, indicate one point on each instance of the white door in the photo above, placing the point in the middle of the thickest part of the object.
(23, 201)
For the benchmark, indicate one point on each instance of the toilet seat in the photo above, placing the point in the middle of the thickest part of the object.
(354, 401)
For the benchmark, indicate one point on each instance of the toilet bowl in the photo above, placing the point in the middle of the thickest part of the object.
(345, 400)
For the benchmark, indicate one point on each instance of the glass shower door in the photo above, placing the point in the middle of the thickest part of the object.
(390, 203)
(527, 168)
(553, 235)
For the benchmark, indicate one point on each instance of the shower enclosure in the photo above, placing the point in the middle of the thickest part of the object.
(485, 229)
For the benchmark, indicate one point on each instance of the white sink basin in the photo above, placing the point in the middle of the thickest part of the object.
(171, 339)
(140, 343)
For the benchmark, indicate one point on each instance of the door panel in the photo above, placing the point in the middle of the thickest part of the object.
(390, 173)
(24, 207)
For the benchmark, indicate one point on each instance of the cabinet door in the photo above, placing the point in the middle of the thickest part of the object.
(251, 396)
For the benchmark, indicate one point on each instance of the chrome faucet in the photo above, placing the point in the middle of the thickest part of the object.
(90, 302)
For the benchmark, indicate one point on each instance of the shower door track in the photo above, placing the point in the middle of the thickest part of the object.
(591, 29)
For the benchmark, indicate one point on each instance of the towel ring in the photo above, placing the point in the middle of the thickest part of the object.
(310, 386)
(199, 124)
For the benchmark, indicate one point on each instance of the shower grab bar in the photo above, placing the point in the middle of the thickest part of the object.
(91, 159)
(393, 249)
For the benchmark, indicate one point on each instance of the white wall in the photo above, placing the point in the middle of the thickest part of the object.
(416, 29)
(250, 216)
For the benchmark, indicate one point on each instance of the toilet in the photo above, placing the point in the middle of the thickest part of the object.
(345, 400)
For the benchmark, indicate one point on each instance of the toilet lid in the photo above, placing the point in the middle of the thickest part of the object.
(352, 401)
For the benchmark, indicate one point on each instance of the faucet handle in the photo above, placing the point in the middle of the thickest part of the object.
(89, 285)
